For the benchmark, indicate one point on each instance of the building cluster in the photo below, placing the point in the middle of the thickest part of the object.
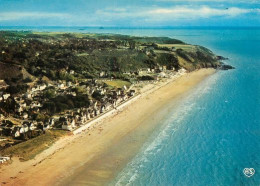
(75, 118)
(21, 124)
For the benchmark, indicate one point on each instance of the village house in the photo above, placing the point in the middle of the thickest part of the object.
(46, 126)
(132, 92)
(144, 71)
(68, 123)
(125, 97)
(92, 113)
(71, 72)
(23, 105)
(1, 117)
(102, 109)
(88, 116)
(4, 159)
(82, 119)
(124, 87)
(103, 91)
(61, 86)
(16, 132)
(173, 49)
(24, 128)
(102, 74)
(3, 85)
(119, 91)
(35, 104)
(69, 84)
(96, 111)
(72, 93)
(164, 68)
(5, 96)
(25, 115)
(34, 89)
(41, 87)
(28, 95)
(95, 105)
(32, 125)
(51, 121)
(118, 100)
(162, 75)
(108, 106)
(18, 109)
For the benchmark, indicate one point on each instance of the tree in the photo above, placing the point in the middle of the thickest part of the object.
(132, 45)
(50, 107)
(97, 95)
(41, 117)
(50, 93)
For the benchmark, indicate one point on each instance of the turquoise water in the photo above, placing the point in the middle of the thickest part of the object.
(215, 132)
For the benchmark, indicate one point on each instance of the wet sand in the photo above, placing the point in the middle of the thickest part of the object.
(96, 156)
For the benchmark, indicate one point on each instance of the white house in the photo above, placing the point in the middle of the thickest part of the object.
(24, 128)
(34, 89)
(35, 104)
(51, 121)
(69, 125)
(61, 85)
(32, 126)
(42, 87)
(4, 159)
(25, 115)
(19, 109)
(16, 132)
(46, 126)
(69, 83)
(23, 105)
(28, 95)
(5, 96)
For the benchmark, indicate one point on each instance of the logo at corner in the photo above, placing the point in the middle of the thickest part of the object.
(248, 172)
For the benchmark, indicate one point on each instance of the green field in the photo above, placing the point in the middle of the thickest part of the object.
(179, 46)
(29, 149)
(118, 83)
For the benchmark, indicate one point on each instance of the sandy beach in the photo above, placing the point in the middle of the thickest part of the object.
(95, 156)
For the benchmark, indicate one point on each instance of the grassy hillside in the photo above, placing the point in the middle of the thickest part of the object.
(118, 83)
(29, 149)
(12, 71)
(53, 54)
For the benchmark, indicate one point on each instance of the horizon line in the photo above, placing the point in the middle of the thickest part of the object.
(98, 26)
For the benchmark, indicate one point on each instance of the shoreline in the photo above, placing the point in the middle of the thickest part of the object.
(95, 156)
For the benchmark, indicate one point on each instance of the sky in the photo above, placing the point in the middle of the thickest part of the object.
(130, 13)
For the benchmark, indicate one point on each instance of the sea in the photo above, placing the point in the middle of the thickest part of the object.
(213, 135)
